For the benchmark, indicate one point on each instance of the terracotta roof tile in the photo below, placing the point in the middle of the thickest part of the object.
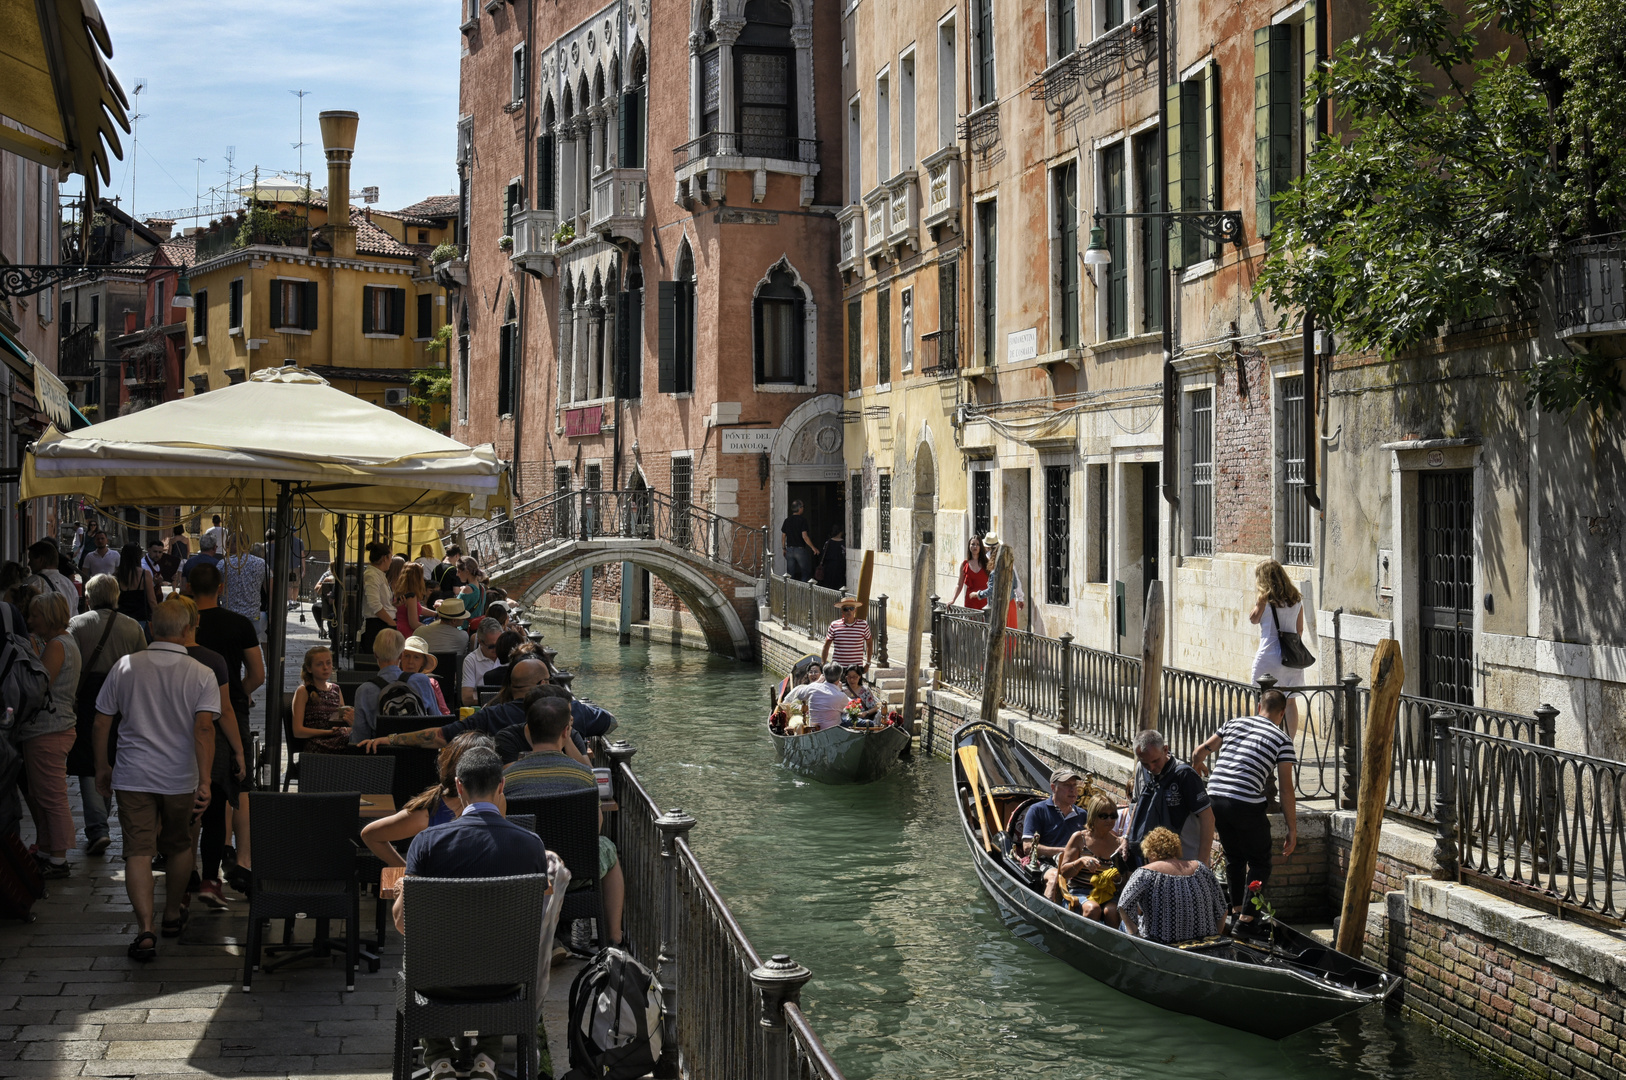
(436, 206)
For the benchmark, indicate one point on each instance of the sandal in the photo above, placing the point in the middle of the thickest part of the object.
(172, 927)
(143, 953)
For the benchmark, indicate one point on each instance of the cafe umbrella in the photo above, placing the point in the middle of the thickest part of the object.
(282, 435)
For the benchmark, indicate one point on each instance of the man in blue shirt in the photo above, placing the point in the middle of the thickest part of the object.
(1168, 793)
(1050, 824)
(387, 646)
(480, 843)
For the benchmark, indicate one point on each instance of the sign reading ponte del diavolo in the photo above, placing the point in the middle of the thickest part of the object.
(749, 440)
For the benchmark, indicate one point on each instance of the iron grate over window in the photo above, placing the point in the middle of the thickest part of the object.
(1295, 510)
(855, 539)
(1202, 472)
(1058, 531)
(982, 502)
(682, 497)
(884, 511)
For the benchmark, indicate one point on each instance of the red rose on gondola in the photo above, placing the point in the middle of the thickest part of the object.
(1255, 886)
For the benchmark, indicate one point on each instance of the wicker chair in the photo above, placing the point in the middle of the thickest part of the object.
(497, 956)
(449, 670)
(292, 746)
(304, 864)
(568, 825)
(367, 774)
(416, 768)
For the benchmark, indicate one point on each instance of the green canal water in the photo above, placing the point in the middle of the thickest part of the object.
(915, 975)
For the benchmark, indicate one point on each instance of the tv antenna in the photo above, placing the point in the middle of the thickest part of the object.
(135, 137)
(197, 187)
(300, 145)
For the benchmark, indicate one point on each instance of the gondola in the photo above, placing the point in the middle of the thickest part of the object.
(836, 755)
(1272, 986)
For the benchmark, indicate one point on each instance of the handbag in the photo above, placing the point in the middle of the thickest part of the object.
(1294, 652)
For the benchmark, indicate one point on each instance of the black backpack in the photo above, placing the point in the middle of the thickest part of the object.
(25, 688)
(397, 698)
(614, 1020)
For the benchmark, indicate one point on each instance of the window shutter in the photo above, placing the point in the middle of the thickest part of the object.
(883, 336)
(1313, 56)
(1212, 176)
(544, 173)
(310, 305)
(623, 150)
(505, 363)
(799, 347)
(426, 318)
(1174, 175)
(622, 345)
(634, 323)
(666, 298)
(756, 339)
(1272, 117)
(276, 303)
(398, 311)
(367, 310)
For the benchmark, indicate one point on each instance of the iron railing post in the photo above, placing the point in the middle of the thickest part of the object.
(880, 637)
(620, 753)
(674, 825)
(1445, 794)
(937, 636)
(1546, 793)
(1349, 740)
(778, 982)
(1064, 687)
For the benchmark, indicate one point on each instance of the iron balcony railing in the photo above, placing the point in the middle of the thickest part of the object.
(731, 144)
(1097, 693)
(641, 514)
(725, 1012)
(1590, 276)
(810, 608)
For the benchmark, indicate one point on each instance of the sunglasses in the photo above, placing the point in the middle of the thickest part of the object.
(1108, 816)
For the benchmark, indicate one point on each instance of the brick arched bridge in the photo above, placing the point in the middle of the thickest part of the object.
(713, 564)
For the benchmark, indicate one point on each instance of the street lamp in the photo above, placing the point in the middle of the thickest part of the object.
(183, 290)
(1097, 254)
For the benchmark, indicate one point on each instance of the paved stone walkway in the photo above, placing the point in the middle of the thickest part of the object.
(73, 1004)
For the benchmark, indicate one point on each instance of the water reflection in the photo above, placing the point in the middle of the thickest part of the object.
(915, 973)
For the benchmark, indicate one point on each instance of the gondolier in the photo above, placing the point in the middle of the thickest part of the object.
(849, 637)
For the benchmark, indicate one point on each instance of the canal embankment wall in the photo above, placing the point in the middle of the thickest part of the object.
(1517, 984)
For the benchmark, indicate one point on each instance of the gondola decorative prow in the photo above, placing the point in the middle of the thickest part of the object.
(968, 763)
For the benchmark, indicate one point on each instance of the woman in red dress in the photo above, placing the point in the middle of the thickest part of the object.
(973, 575)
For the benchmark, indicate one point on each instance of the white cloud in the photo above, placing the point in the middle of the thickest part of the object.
(219, 74)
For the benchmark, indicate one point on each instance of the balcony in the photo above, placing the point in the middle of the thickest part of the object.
(534, 246)
(851, 220)
(77, 353)
(940, 353)
(618, 204)
(702, 164)
(903, 210)
(943, 190)
(1590, 279)
(875, 216)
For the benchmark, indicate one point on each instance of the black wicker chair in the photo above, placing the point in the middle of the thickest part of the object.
(291, 746)
(416, 768)
(304, 864)
(462, 974)
(568, 825)
(449, 670)
(368, 774)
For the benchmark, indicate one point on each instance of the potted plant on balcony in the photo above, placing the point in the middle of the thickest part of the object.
(564, 234)
(506, 243)
(445, 251)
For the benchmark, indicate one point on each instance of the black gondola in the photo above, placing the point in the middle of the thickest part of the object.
(1273, 986)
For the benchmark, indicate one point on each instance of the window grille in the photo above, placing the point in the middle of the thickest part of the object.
(1202, 472)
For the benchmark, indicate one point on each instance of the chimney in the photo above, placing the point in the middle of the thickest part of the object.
(164, 227)
(339, 141)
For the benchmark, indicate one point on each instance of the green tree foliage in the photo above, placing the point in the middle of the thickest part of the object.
(433, 386)
(1473, 143)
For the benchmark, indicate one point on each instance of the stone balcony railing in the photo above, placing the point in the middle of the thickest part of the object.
(701, 165)
(534, 246)
(876, 202)
(851, 220)
(618, 204)
(903, 210)
(942, 195)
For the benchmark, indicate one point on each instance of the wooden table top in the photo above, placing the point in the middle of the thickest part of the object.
(374, 807)
(389, 884)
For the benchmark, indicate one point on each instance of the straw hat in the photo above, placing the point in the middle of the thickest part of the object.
(847, 601)
(990, 539)
(416, 644)
(451, 610)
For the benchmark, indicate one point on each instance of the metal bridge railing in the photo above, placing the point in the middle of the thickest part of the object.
(726, 1012)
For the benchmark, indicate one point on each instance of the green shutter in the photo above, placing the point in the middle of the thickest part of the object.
(1272, 120)
(310, 305)
(1313, 56)
(276, 304)
(634, 322)
(398, 312)
(1212, 176)
(666, 298)
(367, 326)
(883, 336)
(426, 317)
(1174, 176)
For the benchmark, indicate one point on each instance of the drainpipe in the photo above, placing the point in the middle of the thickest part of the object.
(530, 90)
(1170, 380)
(1311, 447)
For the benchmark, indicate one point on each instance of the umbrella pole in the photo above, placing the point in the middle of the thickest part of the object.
(277, 632)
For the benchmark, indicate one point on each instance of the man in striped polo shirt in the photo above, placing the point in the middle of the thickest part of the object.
(1253, 746)
(849, 636)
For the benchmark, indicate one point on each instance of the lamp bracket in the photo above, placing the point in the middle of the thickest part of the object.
(1216, 226)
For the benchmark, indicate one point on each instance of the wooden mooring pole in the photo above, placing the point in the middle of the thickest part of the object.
(919, 612)
(999, 602)
(1388, 677)
(1151, 656)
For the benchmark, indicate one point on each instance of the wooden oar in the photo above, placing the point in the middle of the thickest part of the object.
(968, 762)
(988, 791)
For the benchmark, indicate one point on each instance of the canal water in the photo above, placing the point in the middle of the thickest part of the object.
(915, 975)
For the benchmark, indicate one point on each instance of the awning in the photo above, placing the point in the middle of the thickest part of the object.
(50, 394)
(59, 88)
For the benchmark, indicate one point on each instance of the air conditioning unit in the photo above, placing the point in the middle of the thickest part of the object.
(396, 395)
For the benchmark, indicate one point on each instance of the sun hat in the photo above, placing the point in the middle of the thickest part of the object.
(451, 610)
(990, 539)
(847, 601)
(416, 644)
(1063, 774)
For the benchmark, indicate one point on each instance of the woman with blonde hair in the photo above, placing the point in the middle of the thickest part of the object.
(1171, 899)
(1279, 607)
(46, 737)
(409, 595)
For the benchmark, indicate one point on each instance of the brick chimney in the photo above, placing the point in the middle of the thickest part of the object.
(339, 142)
(164, 227)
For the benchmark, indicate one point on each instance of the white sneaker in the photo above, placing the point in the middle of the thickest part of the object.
(483, 1069)
(442, 1069)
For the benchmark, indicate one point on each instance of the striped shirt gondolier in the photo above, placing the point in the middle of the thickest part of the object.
(1251, 749)
(849, 640)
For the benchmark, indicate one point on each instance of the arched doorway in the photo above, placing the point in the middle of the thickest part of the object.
(806, 463)
(924, 517)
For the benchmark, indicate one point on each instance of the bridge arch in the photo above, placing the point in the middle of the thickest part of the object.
(710, 602)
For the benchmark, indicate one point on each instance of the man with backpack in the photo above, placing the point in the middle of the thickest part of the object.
(105, 636)
(390, 693)
(45, 563)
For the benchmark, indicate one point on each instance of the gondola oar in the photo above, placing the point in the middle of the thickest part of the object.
(968, 762)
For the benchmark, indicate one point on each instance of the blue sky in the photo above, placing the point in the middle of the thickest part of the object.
(219, 73)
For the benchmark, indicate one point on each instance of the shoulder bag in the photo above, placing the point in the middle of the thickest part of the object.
(1294, 652)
